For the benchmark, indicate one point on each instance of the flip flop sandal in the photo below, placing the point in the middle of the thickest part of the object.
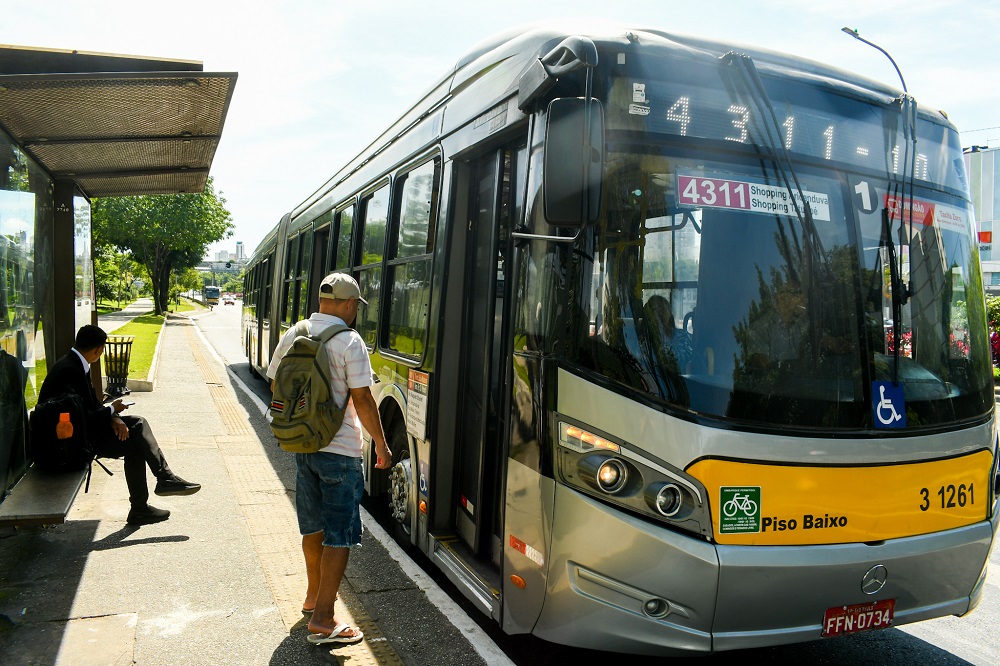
(335, 636)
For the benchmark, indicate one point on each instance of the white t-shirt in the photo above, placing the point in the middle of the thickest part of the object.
(349, 368)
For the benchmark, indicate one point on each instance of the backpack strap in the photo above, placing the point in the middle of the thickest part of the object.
(325, 336)
(333, 329)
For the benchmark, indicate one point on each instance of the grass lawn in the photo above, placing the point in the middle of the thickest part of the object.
(146, 329)
(30, 391)
(187, 305)
(104, 307)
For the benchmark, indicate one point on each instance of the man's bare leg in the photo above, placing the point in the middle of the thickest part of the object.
(312, 549)
(332, 566)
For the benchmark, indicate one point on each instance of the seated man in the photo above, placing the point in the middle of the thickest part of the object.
(112, 435)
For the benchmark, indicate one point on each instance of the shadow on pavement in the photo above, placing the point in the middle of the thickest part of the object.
(117, 539)
(295, 649)
(40, 571)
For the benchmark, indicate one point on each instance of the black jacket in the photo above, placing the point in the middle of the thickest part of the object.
(67, 375)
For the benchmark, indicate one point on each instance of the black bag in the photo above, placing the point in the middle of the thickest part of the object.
(51, 452)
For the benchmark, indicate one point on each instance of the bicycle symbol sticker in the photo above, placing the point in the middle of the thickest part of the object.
(740, 509)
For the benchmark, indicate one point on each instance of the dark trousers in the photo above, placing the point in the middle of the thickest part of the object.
(139, 451)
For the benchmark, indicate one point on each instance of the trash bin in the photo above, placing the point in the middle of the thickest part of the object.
(116, 355)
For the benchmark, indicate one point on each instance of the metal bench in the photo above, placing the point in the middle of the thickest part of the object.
(41, 498)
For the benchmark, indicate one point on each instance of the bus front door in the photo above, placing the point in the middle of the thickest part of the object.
(478, 514)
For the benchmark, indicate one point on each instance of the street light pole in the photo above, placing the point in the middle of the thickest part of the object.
(855, 35)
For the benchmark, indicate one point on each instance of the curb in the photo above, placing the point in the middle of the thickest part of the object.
(146, 385)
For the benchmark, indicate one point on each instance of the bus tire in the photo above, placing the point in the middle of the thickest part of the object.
(399, 498)
(400, 502)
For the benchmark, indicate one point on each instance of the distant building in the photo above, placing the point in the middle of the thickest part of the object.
(240, 253)
(222, 255)
(983, 166)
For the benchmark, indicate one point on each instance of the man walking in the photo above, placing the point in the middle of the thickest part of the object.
(112, 435)
(330, 482)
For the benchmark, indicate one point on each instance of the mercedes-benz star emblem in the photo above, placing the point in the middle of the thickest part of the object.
(874, 580)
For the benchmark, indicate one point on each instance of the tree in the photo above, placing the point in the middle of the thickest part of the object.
(106, 278)
(232, 283)
(189, 280)
(116, 274)
(164, 232)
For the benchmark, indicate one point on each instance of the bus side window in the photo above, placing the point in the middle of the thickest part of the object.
(302, 278)
(288, 298)
(375, 216)
(409, 262)
(344, 230)
(321, 265)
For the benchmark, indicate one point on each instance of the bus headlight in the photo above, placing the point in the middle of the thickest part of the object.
(605, 473)
(607, 469)
(612, 476)
(665, 498)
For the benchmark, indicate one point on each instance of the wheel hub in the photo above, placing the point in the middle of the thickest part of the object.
(399, 492)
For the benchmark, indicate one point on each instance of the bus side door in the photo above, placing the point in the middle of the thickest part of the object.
(480, 463)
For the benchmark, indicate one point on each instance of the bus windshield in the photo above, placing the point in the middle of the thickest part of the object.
(710, 289)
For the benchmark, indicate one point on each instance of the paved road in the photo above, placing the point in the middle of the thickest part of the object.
(973, 639)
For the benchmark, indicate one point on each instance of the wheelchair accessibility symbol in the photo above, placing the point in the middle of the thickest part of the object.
(422, 478)
(888, 405)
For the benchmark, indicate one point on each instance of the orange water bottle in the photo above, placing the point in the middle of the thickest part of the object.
(64, 429)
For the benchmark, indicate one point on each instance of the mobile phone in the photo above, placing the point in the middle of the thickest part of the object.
(127, 403)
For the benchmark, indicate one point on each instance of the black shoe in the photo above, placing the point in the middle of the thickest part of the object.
(175, 485)
(147, 515)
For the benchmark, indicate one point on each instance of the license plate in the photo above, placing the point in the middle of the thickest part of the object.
(841, 620)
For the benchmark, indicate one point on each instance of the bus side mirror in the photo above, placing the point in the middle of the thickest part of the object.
(573, 166)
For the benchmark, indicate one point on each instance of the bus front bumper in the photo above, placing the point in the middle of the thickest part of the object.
(620, 583)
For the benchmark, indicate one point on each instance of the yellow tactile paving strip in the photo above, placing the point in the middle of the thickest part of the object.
(268, 508)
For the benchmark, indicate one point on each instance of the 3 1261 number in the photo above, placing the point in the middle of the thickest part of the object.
(951, 496)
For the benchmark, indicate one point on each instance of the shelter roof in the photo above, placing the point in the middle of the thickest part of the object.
(116, 125)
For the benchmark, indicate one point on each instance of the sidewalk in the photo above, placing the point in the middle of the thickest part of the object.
(115, 320)
(222, 581)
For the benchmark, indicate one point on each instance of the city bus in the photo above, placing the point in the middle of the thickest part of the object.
(680, 346)
(211, 295)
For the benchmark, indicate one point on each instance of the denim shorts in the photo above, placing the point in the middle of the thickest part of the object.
(328, 489)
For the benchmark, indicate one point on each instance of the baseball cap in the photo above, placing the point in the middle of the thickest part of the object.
(340, 285)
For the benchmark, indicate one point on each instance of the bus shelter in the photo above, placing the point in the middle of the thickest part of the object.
(75, 126)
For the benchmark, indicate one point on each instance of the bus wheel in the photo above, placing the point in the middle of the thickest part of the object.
(400, 483)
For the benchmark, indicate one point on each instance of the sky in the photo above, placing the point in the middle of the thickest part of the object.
(319, 80)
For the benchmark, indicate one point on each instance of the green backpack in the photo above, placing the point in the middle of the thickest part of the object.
(304, 415)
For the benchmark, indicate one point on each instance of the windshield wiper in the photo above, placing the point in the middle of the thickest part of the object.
(743, 64)
(900, 292)
(904, 200)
